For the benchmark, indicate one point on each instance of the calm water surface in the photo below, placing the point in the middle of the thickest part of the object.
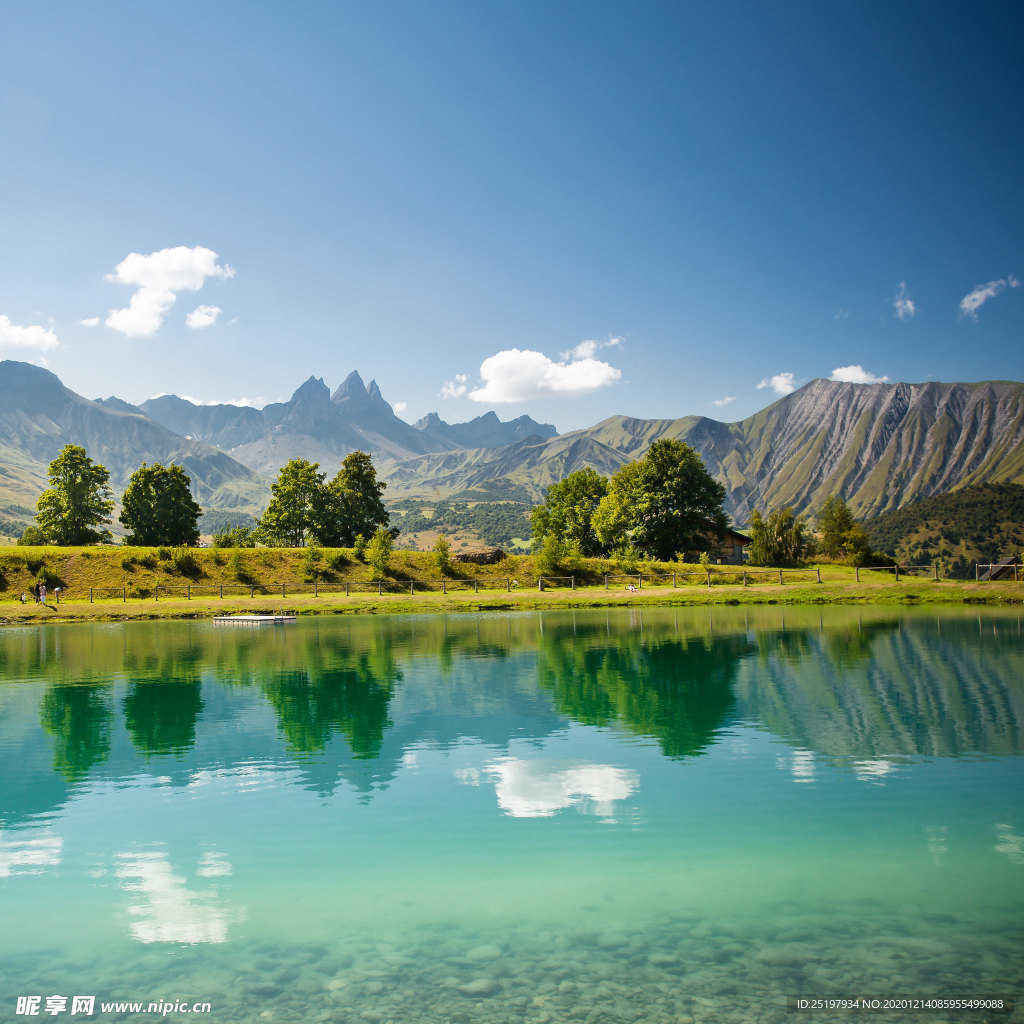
(594, 816)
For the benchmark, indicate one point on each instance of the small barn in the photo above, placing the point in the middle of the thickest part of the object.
(730, 547)
(1007, 570)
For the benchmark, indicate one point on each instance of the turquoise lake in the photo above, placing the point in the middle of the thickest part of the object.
(596, 816)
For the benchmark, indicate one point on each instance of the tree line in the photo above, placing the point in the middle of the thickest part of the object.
(158, 508)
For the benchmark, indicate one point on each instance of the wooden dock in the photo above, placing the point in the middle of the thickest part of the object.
(253, 620)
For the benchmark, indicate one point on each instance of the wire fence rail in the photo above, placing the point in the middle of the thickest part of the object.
(988, 578)
(446, 585)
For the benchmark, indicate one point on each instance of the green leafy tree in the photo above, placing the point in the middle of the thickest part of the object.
(32, 537)
(296, 497)
(234, 537)
(351, 504)
(780, 538)
(835, 520)
(568, 510)
(158, 507)
(665, 505)
(378, 553)
(443, 554)
(77, 501)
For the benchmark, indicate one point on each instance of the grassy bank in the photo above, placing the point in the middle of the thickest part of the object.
(117, 583)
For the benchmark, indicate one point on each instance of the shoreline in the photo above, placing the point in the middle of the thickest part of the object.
(913, 593)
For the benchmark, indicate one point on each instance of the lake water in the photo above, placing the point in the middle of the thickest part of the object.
(602, 816)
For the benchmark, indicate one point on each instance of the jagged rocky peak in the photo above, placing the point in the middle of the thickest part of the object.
(314, 389)
(351, 389)
(430, 420)
(376, 398)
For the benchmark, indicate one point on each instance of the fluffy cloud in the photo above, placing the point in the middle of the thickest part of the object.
(248, 403)
(855, 374)
(974, 300)
(158, 278)
(202, 316)
(724, 401)
(903, 304)
(454, 388)
(781, 383)
(400, 407)
(517, 375)
(12, 336)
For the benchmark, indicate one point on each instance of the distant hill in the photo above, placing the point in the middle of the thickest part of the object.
(984, 523)
(316, 425)
(879, 446)
(39, 416)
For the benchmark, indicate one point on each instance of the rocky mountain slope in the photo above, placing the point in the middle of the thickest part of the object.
(877, 445)
(39, 415)
(324, 428)
(880, 446)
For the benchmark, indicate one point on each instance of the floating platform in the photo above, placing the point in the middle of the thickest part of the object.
(254, 620)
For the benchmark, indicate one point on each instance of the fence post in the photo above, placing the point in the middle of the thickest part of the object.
(444, 586)
(639, 581)
(283, 585)
(935, 569)
(156, 592)
(476, 586)
(252, 589)
(673, 579)
(346, 588)
(856, 569)
(540, 583)
(744, 577)
(897, 572)
(316, 590)
(780, 577)
(508, 584)
(90, 595)
(819, 574)
(709, 577)
(606, 581)
(572, 585)
(380, 587)
(188, 591)
(976, 576)
(412, 585)
(124, 595)
(222, 590)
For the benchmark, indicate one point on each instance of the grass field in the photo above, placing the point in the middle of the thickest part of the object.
(119, 582)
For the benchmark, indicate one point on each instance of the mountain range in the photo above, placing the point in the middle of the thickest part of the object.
(879, 445)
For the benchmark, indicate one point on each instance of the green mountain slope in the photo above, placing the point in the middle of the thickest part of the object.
(983, 523)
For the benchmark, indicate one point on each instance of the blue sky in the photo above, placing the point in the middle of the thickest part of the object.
(570, 210)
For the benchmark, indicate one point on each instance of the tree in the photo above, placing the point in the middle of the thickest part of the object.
(665, 505)
(779, 539)
(294, 504)
(32, 537)
(443, 554)
(351, 504)
(568, 511)
(378, 553)
(835, 520)
(77, 500)
(158, 507)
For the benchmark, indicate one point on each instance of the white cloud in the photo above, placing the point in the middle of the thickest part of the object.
(974, 300)
(454, 388)
(400, 407)
(855, 374)
(903, 304)
(516, 375)
(13, 336)
(724, 401)
(587, 349)
(250, 403)
(202, 316)
(158, 278)
(536, 789)
(92, 321)
(781, 383)
(29, 856)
